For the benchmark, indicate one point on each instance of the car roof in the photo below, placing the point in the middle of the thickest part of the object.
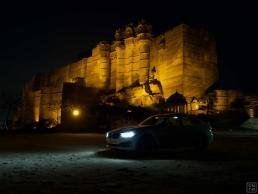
(176, 114)
(167, 114)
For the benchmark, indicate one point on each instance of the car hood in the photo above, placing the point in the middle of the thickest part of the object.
(129, 128)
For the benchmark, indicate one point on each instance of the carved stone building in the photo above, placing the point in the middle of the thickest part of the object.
(135, 67)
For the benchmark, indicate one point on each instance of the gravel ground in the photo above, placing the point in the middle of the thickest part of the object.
(79, 163)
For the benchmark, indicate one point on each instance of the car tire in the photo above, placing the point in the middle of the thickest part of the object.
(145, 144)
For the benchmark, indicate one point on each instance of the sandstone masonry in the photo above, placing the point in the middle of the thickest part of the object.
(135, 67)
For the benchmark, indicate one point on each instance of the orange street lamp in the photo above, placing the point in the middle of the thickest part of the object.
(76, 112)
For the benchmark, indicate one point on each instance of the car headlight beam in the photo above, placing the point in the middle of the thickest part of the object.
(128, 134)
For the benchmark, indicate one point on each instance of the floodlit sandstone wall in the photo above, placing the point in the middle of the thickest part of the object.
(200, 61)
(185, 60)
(120, 61)
(30, 105)
(92, 72)
(98, 67)
(140, 68)
(50, 104)
(223, 99)
(77, 69)
(128, 60)
(143, 42)
(113, 70)
(62, 74)
(167, 59)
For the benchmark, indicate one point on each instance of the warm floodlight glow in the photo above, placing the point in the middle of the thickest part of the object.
(76, 112)
(251, 112)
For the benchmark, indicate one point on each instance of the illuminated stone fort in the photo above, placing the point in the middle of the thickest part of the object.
(135, 67)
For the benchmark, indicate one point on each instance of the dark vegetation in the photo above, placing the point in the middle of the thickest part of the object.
(231, 119)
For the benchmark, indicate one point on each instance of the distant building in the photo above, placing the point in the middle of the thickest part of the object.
(137, 68)
(229, 99)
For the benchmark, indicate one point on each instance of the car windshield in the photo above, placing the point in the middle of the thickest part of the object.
(154, 120)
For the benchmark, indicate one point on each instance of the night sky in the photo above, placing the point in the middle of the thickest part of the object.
(37, 37)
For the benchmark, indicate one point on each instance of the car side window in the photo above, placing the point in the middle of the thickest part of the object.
(190, 122)
(195, 121)
(187, 122)
(173, 121)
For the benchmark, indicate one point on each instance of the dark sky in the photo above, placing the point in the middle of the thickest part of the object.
(38, 37)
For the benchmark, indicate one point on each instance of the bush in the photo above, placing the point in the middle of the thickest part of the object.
(226, 120)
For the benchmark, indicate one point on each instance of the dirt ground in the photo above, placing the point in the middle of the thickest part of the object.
(79, 163)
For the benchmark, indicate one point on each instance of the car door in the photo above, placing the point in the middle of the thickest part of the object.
(190, 130)
(169, 133)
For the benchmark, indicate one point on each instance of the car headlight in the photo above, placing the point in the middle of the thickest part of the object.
(128, 134)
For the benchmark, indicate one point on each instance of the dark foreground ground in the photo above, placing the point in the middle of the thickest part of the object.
(79, 163)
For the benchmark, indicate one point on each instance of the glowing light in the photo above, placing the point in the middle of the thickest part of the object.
(128, 134)
(251, 112)
(76, 112)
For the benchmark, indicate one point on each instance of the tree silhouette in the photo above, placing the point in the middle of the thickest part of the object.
(8, 102)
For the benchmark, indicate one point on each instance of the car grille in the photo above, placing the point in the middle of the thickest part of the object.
(115, 135)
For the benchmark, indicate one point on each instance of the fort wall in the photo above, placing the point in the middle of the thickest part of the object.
(169, 64)
(200, 61)
(146, 68)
